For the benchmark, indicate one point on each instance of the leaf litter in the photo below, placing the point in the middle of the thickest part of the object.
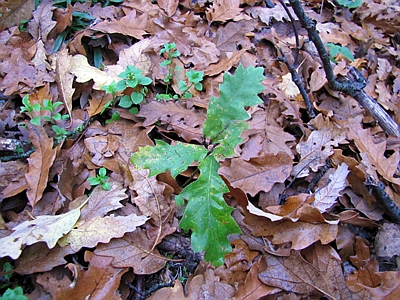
(311, 225)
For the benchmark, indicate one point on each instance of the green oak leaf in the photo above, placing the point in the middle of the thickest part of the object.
(163, 157)
(207, 214)
(236, 92)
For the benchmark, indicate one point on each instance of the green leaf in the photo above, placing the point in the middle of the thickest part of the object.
(163, 157)
(36, 121)
(136, 97)
(350, 3)
(125, 101)
(207, 214)
(102, 172)
(236, 92)
(15, 294)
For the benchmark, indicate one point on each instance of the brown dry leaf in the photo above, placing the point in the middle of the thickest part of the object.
(65, 79)
(367, 267)
(384, 248)
(223, 10)
(39, 163)
(187, 123)
(100, 281)
(373, 154)
(39, 258)
(169, 6)
(252, 287)
(12, 173)
(133, 251)
(232, 35)
(326, 197)
(266, 14)
(88, 233)
(13, 13)
(294, 274)
(130, 25)
(266, 135)
(97, 102)
(317, 149)
(41, 24)
(171, 31)
(389, 288)
(300, 235)
(101, 201)
(258, 174)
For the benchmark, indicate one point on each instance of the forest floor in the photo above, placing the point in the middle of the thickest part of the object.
(316, 197)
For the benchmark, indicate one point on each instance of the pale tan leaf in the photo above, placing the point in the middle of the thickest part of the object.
(169, 6)
(65, 79)
(102, 230)
(288, 86)
(326, 197)
(85, 72)
(48, 229)
(101, 201)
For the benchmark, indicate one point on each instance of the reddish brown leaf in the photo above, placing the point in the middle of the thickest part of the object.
(223, 10)
(258, 174)
(39, 163)
(294, 274)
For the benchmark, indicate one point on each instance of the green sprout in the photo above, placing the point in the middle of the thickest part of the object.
(101, 179)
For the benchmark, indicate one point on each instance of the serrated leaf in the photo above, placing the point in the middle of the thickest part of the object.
(48, 229)
(207, 214)
(326, 197)
(236, 92)
(163, 157)
(102, 230)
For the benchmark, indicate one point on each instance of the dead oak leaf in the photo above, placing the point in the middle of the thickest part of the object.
(39, 164)
(100, 281)
(88, 233)
(133, 251)
(295, 274)
(223, 10)
(373, 154)
(258, 174)
(130, 25)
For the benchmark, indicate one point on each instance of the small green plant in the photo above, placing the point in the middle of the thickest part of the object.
(194, 78)
(10, 294)
(350, 3)
(14, 294)
(47, 105)
(30, 109)
(334, 50)
(206, 213)
(101, 179)
(132, 79)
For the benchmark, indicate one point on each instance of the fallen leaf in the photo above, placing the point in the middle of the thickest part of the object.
(223, 10)
(48, 229)
(294, 274)
(258, 174)
(39, 163)
(326, 197)
(101, 230)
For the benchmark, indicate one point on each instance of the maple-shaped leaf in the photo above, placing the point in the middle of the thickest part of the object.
(207, 214)
(48, 229)
(163, 157)
(225, 113)
(326, 197)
